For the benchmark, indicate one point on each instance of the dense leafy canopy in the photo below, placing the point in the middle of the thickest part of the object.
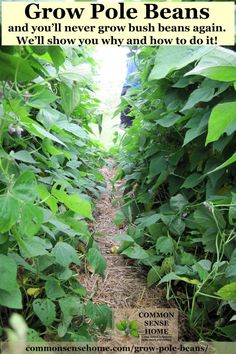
(49, 180)
(177, 162)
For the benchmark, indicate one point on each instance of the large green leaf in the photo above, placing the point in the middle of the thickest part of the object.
(11, 299)
(70, 306)
(54, 289)
(227, 292)
(201, 94)
(8, 273)
(96, 261)
(41, 97)
(36, 129)
(49, 117)
(230, 271)
(170, 58)
(218, 64)
(74, 202)
(45, 309)
(34, 247)
(23, 156)
(24, 188)
(47, 198)
(65, 254)
(70, 98)
(192, 181)
(228, 162)
(31, 220)
(136, 252)
(72, 128)
(157, 165)
(154, 275)
(15, 68)
(164, 245)
(57, 54)
(222, 116)
(9, 212)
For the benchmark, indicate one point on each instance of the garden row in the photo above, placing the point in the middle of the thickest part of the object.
(177, 162)
(49, 179)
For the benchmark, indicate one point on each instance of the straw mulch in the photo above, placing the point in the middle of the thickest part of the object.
(124, 284)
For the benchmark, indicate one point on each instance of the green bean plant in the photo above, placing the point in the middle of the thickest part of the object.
(177, 162)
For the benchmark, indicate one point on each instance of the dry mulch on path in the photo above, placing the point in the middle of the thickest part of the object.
(124, 284)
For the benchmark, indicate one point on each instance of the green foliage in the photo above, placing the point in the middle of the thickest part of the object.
(177, 162)
(49, 179)
(128, 327)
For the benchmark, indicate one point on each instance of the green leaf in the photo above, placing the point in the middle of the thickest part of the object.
(133, 324)
(119, 218)
(103, 317)
(178, 202)
(121, 326)
(70, 98)
(8, 273)
(135, 252)
(34, 247)
(169, 277)
(192, 180)
(9, 212)
(204, 218)
(169, 120)
(47, 198)
(23, 156)
(24, 188)
(154, 275)
(222, 116)
(177, 226)
(45, 309)
(57, 54)
(219, 64)
(229, 331)
(187, 259)
(54, 289)
(36, 129)
(227, 292)
(65, 254)
(164, 245)
(17, 68)
(157, 165)
(203, 273)
(201, 94)
(72, 128)
(96, 261)
(49, 117)
(228, 162)
(170, 58)
(70, 306)
(74, 202)
(11, 299)
(232, 209)
(147, 221)
(41, 97)
(134, 333)
(230, 271)
(31, 220)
